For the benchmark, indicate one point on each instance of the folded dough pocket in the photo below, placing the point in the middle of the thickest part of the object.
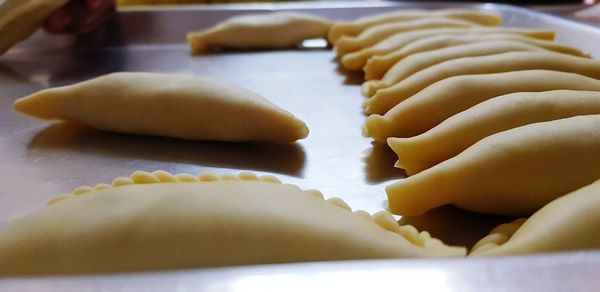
(259, 31)
(570, 222)
(513, 172)
(157, 221)
(21, 18)
(168, 105)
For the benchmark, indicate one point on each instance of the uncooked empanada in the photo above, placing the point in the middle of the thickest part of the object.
(153, 221)
(21, 18)
(447, 97)
(514, 172)
(356, 27)
(498, 114)
(356, 60)
(260, 31)
(169, 105)
(429, 44)
(570, 222)
(377, 33)
(386, 98)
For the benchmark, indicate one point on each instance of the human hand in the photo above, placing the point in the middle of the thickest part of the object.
(80, 16)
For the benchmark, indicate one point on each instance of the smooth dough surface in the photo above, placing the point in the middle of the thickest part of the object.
(514, 172)
(440, 42)
(260, 31)
(517, 58)
(356, 27)
(169, 105)
(377, 33)
(570, 222)
(447, 97)
(157, 221)
(357, 60)
(498, 114)
(21, 18)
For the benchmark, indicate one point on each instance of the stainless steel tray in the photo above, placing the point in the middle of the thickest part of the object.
(41, 160)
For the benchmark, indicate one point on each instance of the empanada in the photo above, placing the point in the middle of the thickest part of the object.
(356, 27)
(570, 222)
(357, 60)
(21, 18)
(386, 98)
(498, 114)
(259, 31)
(447, 97)
(169, 105)
(377, 33)
(429, 44)
(155, 221)
(514, 172)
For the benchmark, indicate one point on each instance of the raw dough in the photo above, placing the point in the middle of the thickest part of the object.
(377, 33)
(157, 221)
(354, 28)
(570, 222)
(514, 172)
(357, 60)
(498, 114)
(444, 41)
(169, 105)
(447, 97)
(260, 31)
(21, 18)
(422, 70)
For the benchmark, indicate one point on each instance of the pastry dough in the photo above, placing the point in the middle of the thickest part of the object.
(514, 172)
(570, 222)
(169, 105)
(156, 221)
(357, 60)
(429, 44)
(403, 68)
(21, 18)
(377, 33)
(386, 98)
(498, 114)
(260, 31)
(450, 96)
(354, 28)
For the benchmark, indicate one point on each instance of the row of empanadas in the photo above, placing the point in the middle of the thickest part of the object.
(156, 221)
(417, 73)
(356, 27)
(170, 105)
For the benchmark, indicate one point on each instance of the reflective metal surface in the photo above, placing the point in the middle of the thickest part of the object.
(40, 160)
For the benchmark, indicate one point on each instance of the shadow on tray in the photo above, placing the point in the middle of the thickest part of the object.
(379, 164)
(448, 224)
(261, 156)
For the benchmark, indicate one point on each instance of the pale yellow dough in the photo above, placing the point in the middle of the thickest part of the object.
(157, 221)
(21, 18)
(498, 114)
(377, 33)
(169, 105)
(357, 60)
(354, 28)
(517, 58)
(447, 97)
(434, 43)
(260, 31)
(514, 172)
(568, 223)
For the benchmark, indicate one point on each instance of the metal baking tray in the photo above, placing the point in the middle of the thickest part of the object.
(40, 160)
